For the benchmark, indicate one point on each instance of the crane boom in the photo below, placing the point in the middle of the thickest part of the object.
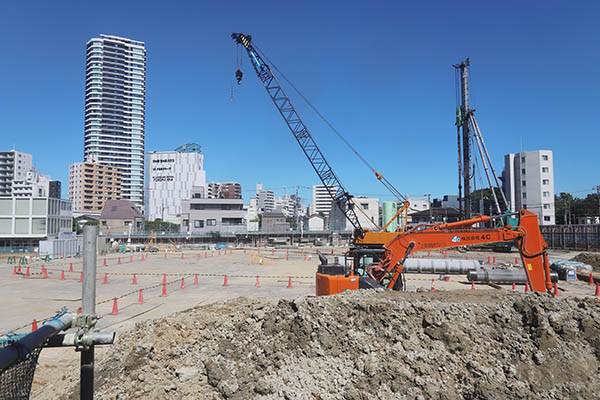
(334, 187)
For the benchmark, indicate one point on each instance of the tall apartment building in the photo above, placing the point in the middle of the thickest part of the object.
(34, 184)
(528, 183)
(171, 175)
(265, 198)
(115, 109)
(321, 199)
(14, 165)
(224, 190)
(91, 185)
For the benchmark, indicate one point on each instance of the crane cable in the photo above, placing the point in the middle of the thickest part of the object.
(380, 177)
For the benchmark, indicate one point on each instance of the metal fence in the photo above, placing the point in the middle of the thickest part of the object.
(572, 237)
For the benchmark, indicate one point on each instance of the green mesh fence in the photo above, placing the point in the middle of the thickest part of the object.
(15, 381)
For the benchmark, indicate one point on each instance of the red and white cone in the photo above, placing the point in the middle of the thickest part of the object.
(555, 292)
(225, 281)
(432, 285)
(526, 287)
(119, 260)
(164, 290)
(206, 254)
(27, 272)
(15, 270)
(591, 279)
(81, 277)
(164, 279)
(34, 325)
(472, 285)
(165, 255)
(134, 281)
(516, 261)
(182, 256)
(130, 259)
(257, 281)
(115, 309)
(105, 279)
(45, 273)
(597, 291)
(182, 283)
(514, 286)
(141, 297)
(105, 262)
(198, 256)
(289, 283)
(494, 260)
(71, 267)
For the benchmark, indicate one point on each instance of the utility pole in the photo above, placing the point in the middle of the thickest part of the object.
(465, 112)
(598, 194)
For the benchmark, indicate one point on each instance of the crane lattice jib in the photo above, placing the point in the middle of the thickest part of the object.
(333, 185)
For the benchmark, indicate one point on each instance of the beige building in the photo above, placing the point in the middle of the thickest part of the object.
(121, 216)
(92, 184)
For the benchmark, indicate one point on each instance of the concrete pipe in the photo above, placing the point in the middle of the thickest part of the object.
(439, 266)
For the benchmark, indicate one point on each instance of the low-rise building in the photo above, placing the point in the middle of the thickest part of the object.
(315, 223)
(24, 221)
(121, 216)
(202, 215)
(274, 221)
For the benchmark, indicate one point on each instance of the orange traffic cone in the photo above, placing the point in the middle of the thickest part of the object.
(81, 278)
(19, 268)
(182, 283)
(212, 254)
(597, 291)
(71, 267)
(164, 290)
(244, 251)
(289, 283)
(206, 254)
(516, 261)
(489, 259)
(526, 287)
(494, 260)
(62, 275)
(472, 285)
(34, 325)
(134, 281)
(79, 310)
(198, 256)
(141, 297)
(105, 279)
(15, 270)
(130, 259)
(555, 292)
(225, 281)
(432, 285)
(164, 279)
(165, 255)
(219, 253)
(45, 273)
(196, 280)
(182, 256)
(257, 281)
(119, 260)
(591, 279)
(514, 286)
(115, 309)
(27, 272)
(105, 262)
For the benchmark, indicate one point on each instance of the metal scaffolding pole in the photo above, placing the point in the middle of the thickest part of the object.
(478, 140)
(88, 310)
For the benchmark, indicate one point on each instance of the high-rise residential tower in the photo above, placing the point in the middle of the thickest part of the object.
(115, 109)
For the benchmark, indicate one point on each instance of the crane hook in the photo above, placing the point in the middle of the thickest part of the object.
(238, 75)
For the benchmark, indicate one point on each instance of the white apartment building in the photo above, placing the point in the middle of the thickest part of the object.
(321, 199)
(528, 183)
(170, 177)
(115, 109)
(14, 166)
(266, 199)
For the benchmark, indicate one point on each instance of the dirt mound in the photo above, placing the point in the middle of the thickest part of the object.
(363, 345)
(592, 259)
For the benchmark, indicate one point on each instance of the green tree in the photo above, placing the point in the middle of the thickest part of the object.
(159, 225)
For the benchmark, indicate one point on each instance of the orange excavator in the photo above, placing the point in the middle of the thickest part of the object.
(383, 268)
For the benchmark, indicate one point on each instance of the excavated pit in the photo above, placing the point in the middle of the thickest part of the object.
(362, 345)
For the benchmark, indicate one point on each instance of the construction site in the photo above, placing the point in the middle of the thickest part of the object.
(478, 308)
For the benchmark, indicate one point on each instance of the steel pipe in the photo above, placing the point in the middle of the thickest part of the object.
(13, 353)
(439, 266)
(71, 339)
(502, 275)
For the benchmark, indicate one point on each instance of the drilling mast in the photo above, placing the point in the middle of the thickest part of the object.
(463, 124)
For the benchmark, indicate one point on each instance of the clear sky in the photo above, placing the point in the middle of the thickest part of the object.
(381, 71)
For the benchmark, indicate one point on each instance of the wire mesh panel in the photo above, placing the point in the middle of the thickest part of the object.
(15, 381)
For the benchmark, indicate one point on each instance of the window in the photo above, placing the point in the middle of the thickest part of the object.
(523, 171)
(545, 169)
(522, 159)
(186, 222)
(523, 183)
(199, 223)
(544, 157)
(365, 206)
(546, 194)
(545, 181)
(211, 222)
(103, 223)
(524, 206)
(546, 218)
(546, 206)
(524, 195)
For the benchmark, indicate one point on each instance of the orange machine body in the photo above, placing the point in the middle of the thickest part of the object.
(332, 284)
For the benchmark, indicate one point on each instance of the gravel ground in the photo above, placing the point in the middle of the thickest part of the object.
(359, 345)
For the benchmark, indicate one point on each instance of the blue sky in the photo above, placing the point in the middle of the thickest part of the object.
(379, 70)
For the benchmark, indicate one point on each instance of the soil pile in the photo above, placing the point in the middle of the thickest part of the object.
(592, 259)
(363, 345)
